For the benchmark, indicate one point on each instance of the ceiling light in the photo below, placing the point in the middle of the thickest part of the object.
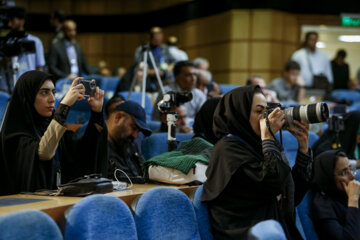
(320, 45)
(349, 38)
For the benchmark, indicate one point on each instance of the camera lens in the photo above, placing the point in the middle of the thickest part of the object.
(311, 113)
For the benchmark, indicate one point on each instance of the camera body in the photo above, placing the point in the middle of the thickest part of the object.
(173, 99)
(90, 87)
(310, 113)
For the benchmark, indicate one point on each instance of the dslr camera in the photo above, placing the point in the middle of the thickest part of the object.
(310, 113)
(173, 99)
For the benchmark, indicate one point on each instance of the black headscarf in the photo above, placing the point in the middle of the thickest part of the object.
(324, 179)
(21, 116)
(232, 115)
(204, 120)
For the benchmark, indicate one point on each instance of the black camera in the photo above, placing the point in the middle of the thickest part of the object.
(310, 113)
(90, 87)
(173, 99)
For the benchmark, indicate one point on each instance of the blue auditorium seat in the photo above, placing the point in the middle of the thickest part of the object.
(60, 84)
(224, 88)
(157, 143)
(111, 83)
(267, 230)
(102, 217)
(4, 99)
(290, 144)
(136, 97)
(30, 225)
(303, 211)
(346, 95)
(79, 112)
(153, 125)
(165, 213)
(289, 104)
(202, 215)
(357, 175)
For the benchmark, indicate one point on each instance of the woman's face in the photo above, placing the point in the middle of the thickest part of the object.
(257, 111)
(45, 99)
(343, 173)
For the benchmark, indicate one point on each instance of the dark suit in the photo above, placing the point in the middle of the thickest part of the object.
(58, 61)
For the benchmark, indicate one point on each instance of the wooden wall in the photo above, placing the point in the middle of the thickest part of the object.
(238, 43)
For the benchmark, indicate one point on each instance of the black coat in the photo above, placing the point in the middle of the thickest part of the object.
(58, 60)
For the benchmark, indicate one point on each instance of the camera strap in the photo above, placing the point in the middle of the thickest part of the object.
(269, 128)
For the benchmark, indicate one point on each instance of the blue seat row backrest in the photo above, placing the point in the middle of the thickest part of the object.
(4, 99)
(346, 95)
(224, 88)
(303, 210)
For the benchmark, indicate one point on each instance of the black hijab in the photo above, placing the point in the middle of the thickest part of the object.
(324, 180)
(204, 120)
(232, 115)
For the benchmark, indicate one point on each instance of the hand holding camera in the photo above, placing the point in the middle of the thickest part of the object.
(96, 100)
(75, 93)
(301, 133)
(276, 121)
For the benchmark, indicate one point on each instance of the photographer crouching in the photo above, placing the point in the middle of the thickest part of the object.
(249, 178)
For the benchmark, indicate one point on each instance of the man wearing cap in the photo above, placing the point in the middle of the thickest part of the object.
(124, 124)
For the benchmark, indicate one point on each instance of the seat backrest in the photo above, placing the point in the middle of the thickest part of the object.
(165, 213)
(29, 224)
(4, 99)
(303, 211)
(111, 83)
(202, 215)
(267, 230)
(100, 217)
(224, 88)
(357, 175)
(346, 94)
(157, 143)
(153, 125)
(136, 97)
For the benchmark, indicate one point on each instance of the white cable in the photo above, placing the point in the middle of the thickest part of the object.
(123, 188)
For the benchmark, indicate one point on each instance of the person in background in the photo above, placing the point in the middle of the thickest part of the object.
(181, 126)
(185, 80)
(290, 87)
(66, 59)
(212, 88)
(124, 124)
(119, 72)
(177, 54)
(201, 63)
(57, 20)
(335, 207)
(340, 70)
(270, 95)
(112, 103)
(27, 61)
(103, 69)
(312, 61)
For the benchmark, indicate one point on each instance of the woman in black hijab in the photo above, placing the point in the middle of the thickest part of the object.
(335, 207)
(248, 178)
(36, 150)
(204, 120)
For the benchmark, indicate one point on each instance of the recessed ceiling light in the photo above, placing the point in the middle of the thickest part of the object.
(320, 45)
(349, 38)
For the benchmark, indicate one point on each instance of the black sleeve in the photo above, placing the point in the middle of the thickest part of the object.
(330, 228)
(53, 59)
(61, 113)
(302, 174)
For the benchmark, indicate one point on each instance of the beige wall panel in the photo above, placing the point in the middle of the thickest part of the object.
(113, 44)
(288, 51)
(95, 44)
(240, 24)
(291, 28)
(238, 78)
(239, 55)
(276, 57)
(38, 6)
(260, 56)
(277, 24)
(262, 24)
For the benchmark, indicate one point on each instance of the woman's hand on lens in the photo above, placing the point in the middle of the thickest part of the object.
(96, 101)
(276, 121)
(352, 191)
(301, 133)
(75, 93)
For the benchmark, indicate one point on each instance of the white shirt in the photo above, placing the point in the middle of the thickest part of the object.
(320, 65)
(178, 54)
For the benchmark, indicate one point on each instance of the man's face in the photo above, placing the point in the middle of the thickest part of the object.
(311, 42)
(123, 127)
(260, 82)
(181, 115)
(70, 31)
(157, 39)
(186, 78)
(291, 76)
(16, 24)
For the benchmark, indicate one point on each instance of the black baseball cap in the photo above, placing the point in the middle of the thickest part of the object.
(137, 113)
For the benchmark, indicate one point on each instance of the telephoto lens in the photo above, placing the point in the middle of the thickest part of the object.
(310, 113)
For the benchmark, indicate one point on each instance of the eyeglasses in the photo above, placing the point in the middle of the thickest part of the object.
(346, 172)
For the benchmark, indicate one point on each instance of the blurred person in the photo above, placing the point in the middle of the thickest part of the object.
(270, 95)
(290, 87)
(66, 58)
(181, 126)
(340, 70)
(57, 20)
(177, 54)
(312, 61)
(334, 209)
(103, 69)
(202, 63)
(204, 83)
(27, 61)
(124, 124)
(119, 72)
(185, 80)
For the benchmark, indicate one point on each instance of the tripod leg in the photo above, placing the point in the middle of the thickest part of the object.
(156, 72)
(144, 80)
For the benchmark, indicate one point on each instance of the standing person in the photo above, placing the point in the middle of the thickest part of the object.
(37, 151)
(249, 178)
(340, 70)
(313, 62)
(57, 20)
(177, 53)
(66, 59)
(291, 86)
(335, 207)
(27, 61)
